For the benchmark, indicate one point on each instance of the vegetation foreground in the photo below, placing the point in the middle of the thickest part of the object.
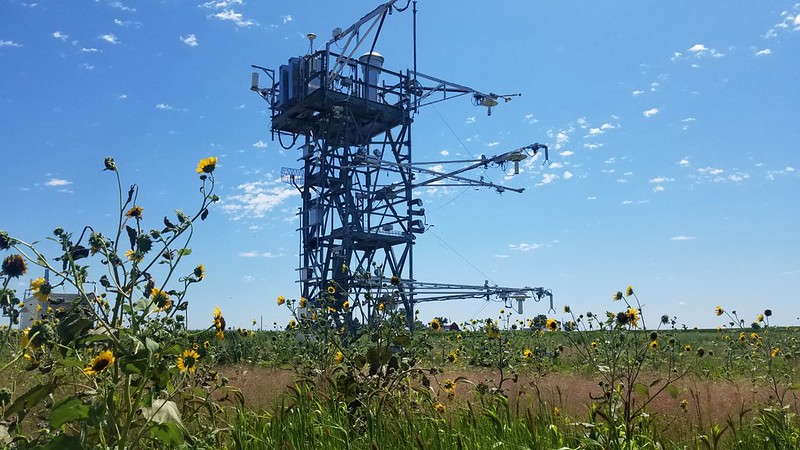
(117, 369)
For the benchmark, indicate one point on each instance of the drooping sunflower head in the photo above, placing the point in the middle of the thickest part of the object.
(395, 280)
(207, 165)
(449, 386)
(200, 272)
(452, 357)
(281, 300)
(14, 266)
(135, 212)
(617, 296)
(719, 311)
(188, 361)
(629, 291)
(100, 363)
(41, 289)
(161, 299)
(440, 408)
(303, 302)
(760, 318)
(134, 256)
(6, 241)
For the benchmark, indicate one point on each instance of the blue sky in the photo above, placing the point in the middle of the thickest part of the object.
(673, 129)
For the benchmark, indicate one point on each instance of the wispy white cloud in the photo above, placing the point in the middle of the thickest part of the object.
(637, 93)
(61, 36)
(531, 119)
(57, 182)
(260, 144)
(524, 247)
(566, 153)
(287, 18)
(471, 119)
(235, 17)
(122, 7)
(164, 106)
(128, 23)
(190, 40)
(89, 50)
(493, 144)
(684, 162)
(254, 254)
(257, 198)
(220, 4)
(444, 152)
(9, 44)
(650, 112)
(698, 48)
(682, 238)
(110, 38)
(661, 180)
(567, 175)
(764, 52)
(548, 178)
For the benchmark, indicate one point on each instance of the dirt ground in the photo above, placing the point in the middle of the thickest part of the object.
(708, 401)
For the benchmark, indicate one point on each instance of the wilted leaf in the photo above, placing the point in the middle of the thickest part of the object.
(162, 411)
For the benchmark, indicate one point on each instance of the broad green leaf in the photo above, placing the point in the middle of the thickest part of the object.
(29, 400)
(672, 390)
(642, 390)
(168, 433)
(185, 251)
(64, 442)
(402, 339)
(68, 410)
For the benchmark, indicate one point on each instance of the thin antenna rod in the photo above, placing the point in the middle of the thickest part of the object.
(414, 11)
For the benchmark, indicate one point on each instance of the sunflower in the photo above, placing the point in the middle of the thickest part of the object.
(219, 323)
(719, 311)
(552, 324)
(617, 296)
(435, 325)
(381, 307)
(188, 361)
(200, 272)
(339, 357)
(207, 165)
(684, 405)
(775, 352)
(346, 305)
(303, 302)
(567, 309)
(440, 408)
(527, 353)
(292, 324)
(135, 212)
(281, 300)
(331, 290)
(633, 317)
(653, 344)
(687, 348)
(452, 357)
(760, 318)
(594, 344)
(134, 256)
(161, 299)
(6, 241)
(395, 280)
(41, 289)
(14, 266)
(100, 363)
(206, 345)
(449, 387)
(629, 291)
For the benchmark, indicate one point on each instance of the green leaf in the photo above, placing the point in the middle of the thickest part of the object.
(64, 442)
(672, 390)
(185, 251)
(168, 433)
(204, 214)
(131, 236)
(29, 399)
(68, 410)
(642, 390)
(402, 340)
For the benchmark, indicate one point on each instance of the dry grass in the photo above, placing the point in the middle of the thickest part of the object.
(709, 401)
